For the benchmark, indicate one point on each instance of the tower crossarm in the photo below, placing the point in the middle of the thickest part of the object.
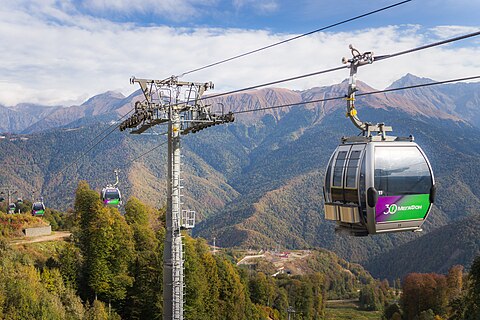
(161, 97)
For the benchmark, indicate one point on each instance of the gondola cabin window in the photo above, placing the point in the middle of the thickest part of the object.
(401, 171)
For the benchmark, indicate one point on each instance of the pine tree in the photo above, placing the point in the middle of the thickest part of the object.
(473, 294)
(69, 260)
(143, 296)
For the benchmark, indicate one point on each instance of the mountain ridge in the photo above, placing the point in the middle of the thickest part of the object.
(111, 105)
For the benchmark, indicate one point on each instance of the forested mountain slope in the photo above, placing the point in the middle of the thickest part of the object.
(259, 180)
(456, 243)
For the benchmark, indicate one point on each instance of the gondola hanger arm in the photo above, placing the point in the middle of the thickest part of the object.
(359, 59)
(116, 177)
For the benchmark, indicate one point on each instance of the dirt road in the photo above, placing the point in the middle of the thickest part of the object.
(55, 236)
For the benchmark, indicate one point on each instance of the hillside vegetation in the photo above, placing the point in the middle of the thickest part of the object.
(115, 261)
(12, 225)
(455, 243)
(258, 182)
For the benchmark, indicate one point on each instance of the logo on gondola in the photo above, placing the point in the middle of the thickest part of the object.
(405, 207)
(393, 208)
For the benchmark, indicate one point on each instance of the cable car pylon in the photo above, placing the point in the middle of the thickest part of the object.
(9, 192)
(179, 105)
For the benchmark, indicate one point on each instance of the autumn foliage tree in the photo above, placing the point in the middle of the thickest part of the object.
(434, 294)
(455, 282)
(423, 292)
(28, 293)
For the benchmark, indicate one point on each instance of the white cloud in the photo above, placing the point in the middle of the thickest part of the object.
(452, 31)
(53, 56)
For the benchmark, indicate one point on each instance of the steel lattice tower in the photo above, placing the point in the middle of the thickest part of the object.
(178, 104)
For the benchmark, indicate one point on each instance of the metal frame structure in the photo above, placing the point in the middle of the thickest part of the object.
(187, 220)
(356, 61)
(180, 105)
(116, 171)
(9, 191)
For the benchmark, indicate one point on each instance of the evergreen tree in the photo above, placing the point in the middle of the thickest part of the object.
(143, 298)
(390, 311)
(106, 244)
(281, 302)
(69, 260)
(211, 278)
(262, 289)
(87, 205)
(458, 308)
(196, 285)
(111, 252)
(426, 315)
(398, 286)
(473, 294)
(318, 282)
(368, 298)
(233, 303)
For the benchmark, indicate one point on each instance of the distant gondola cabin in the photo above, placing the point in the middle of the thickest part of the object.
(11, 208)
(38, 209)
(111, 197)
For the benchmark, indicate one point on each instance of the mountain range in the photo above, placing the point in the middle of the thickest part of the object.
(258, 182)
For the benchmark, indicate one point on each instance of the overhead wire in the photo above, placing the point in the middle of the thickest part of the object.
(343, 67)
(418, 86)
(147, 152)
(335, 98)
(431, 45)
(114, 123)
(255, 51)
(316, 73)
(288, 40)
(93, 146)
(357, 94)
(294, 38)
(378, 58)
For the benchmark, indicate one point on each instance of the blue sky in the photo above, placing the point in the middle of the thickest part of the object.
(285, 16)
(65, 51)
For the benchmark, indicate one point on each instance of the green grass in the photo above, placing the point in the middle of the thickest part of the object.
(348, 311)
(40, 252)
